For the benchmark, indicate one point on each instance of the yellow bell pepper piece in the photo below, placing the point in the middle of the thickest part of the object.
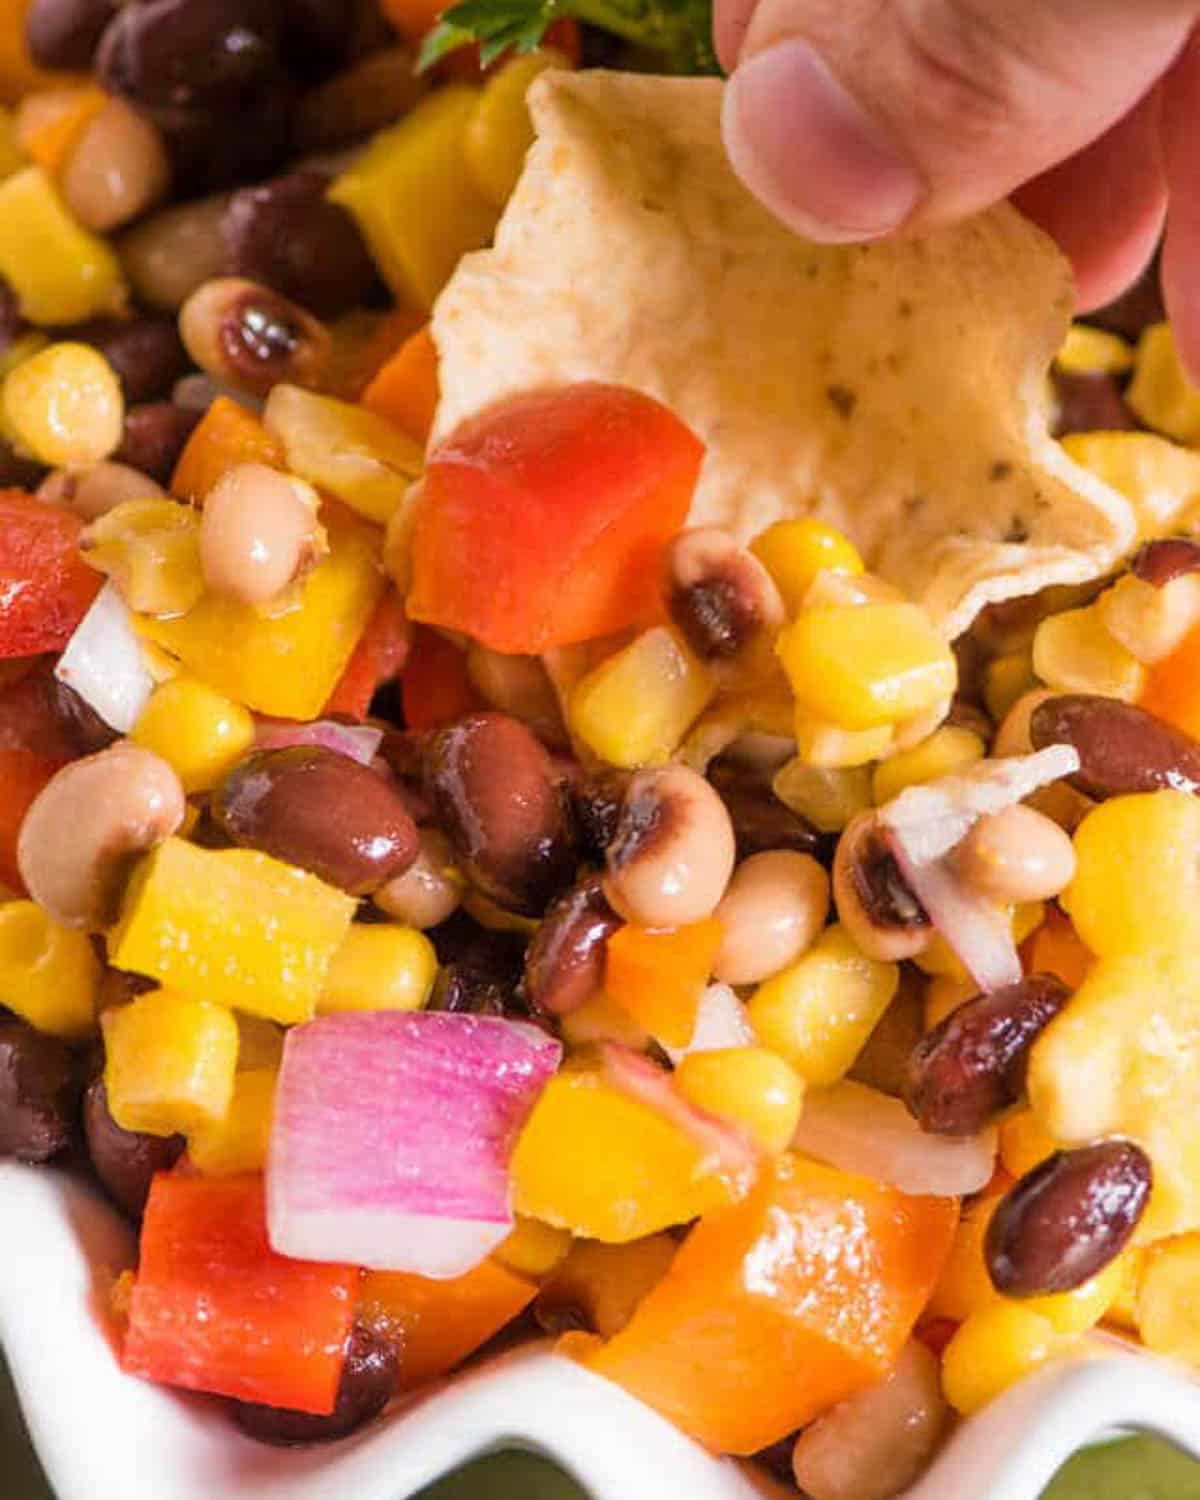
(287, 665)
(238, 1142)
(1161, 392)
(233, 925)
(500, 131)
(418, 210)
(60, 272)
(170, 1063)
(49, 975)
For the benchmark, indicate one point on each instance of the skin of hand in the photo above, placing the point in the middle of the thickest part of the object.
(857, 119)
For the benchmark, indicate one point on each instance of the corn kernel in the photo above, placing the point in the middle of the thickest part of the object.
(1074, 653)
(170, 1063)
(1168, 1311)
(819, 1012)
(1160, 479)
(947, 749)
(1078, 1310)
(1151, 622)
(635, 708)
(749, 1087)
(59, 271)
(965, 1286)
(238, 1143)
(196, 730)
(866, 667)
(500, 131)
(1161, 393)
(830, 748)
(832, 590)
(380, 966)
(533, 1249)
(1006, 680)
(64, 405)
(1093, 351)
(1024, 1143)
(150, 548)
(997, 1345)
(49, 975)
(794, 552)
(827, 796)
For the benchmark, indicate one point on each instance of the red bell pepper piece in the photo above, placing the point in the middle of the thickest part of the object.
(22, 776)
(214, 1308)
(45, 585)
(436, 688)
(378, 658)
(542, 521)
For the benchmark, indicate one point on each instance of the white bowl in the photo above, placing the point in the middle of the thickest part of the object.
(102, 1435)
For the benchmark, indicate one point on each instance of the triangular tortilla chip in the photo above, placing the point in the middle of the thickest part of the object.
(895, 390)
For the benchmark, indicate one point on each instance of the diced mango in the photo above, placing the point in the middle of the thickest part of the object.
(60, 272)
(238, 1142)
(1160, 479)
(996, 1346)
(170, 1063)
(379, 966)
(49, 975)
(947, 749)
(289, 664)
(234, 926)
(605, 1284)
(1161, 393)
(634, 709)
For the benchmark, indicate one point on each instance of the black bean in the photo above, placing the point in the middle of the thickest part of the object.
(564, 966)
(64, 34)
(155, 436)
(972, 1065)
(287, 235)
(79, 720)
(1163, 561)
(220, 149)
(1122, 748)
(1067, 1219)
(368, 1383)
(146, 353)
(39, 1093)
(480, 969)
(760, 820)
(1090, 403)
(316, 36)
(125, 1161)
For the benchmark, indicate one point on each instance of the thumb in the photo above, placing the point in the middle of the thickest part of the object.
(853, 118)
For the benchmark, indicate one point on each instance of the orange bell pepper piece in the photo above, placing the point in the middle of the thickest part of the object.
(406, 390)
(226, 436)
(657, 976)
(22, 777)
(436, 1324)
(781, 1306)
(52, 139)
(436, 688)
(1172, 688)
(379, 657)
(1055, 948)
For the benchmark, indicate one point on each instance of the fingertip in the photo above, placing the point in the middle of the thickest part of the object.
(731, 21)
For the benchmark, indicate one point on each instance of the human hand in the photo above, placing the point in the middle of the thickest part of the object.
(852, 119)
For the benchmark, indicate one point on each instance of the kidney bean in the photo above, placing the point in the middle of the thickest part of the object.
(39, 1092)
(146, 353)
(321, 811)
(368, 1383)
(1134, 311)
(1090, 403)
(564, 967)
(972, 1065)
(480, 969)
(287, 235)
(125, 1161)
(761, 822)
(493, 786)
(65, 33)
(1122, 748)
(41, 714)
(154, 437)
(1162, 561)
(1067, 1218)
(316, 34)
(873, 899)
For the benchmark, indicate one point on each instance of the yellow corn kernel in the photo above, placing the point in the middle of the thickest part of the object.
(819, 1012)
(965, 1286)
(533, 1249)
(379, 966)
(64, 405)
(49, 975)
(1074, 653)
(833, 590)
(238, 1142)
(287, 665)
(868, 666)
(944, 994)
(997, 1345)
(1005, 681)
(794, 552)
(233, 925)
(1151, 622)
(830, 748)
(603, 1020)
(827, 796)
(1160, 479)
(170, 1063)
(635, 708)
(1093, 351)
(196, 730)
(749, 1087)
(500, 131)
(1161, 393)
(1024, 1143)
(150, 548)
(947, 749)
(1168, 1312)
(1077, 1311)
(60, 272)
(939, 959)
(419, 212)
(260, 1043)
(344, 449)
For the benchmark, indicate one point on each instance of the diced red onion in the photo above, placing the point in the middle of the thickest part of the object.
(861, 1130)
(104, 663)
(721, 1022)
(392, 1136)
(360, 742)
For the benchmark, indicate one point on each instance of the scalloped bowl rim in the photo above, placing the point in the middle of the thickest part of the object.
(102, 1435)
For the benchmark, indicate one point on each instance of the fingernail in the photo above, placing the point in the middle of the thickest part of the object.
(811, 152)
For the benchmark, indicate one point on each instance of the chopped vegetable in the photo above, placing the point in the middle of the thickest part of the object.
(358, 742)
(60, 272)
(659, 976)
(405, 391)
(436, 687)
(170, 1063)
(48, 974)
(378, 659)
(105, 664)
(45, 587)
(636, 706)
(238, 1141)
(227, 436)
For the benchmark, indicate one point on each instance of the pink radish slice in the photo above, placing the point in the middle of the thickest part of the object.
(360, 742)
(861, 1130)
(392, 1136)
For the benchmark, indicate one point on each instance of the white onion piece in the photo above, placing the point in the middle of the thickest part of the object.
(104, 664)
(721, 1022)
(392, 1135)
(861, 1130)
(360, 742)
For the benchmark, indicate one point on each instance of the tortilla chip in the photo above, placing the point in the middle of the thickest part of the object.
(895, 390)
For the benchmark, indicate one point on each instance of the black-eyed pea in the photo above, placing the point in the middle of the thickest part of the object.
(93, 491)
(430, 889)
(1013, 735)
(774, 908)
(1017, 855)
(117, 169)
(720, 595)
(259, 533)
(249, 337)
(874, 902)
